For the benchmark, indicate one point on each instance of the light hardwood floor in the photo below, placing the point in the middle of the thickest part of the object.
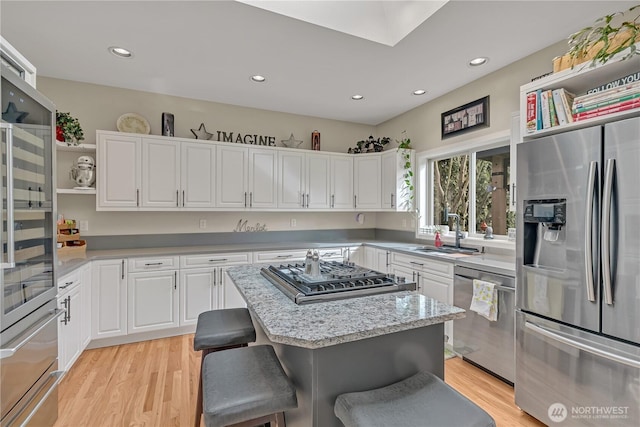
(154, 383)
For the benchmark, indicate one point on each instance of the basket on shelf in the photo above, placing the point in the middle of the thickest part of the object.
(68, 238)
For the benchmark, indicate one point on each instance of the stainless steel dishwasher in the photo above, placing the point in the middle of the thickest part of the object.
(488, 344)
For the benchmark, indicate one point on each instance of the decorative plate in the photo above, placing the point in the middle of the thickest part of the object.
(133, 123)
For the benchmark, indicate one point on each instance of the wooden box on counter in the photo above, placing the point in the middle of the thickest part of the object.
(69, 236)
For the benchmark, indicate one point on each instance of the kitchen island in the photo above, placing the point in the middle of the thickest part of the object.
(355, 344)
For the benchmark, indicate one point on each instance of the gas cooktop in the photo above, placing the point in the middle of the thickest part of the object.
(336, 280)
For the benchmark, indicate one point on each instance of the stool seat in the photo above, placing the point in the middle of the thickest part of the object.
(222, 328)
(243, 384)
(420, 400)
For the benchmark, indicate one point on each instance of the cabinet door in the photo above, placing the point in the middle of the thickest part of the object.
(84, 307)
(436, 287)
(198, 175)
(119, 174)
(367, 182)
(108, 298)
(341, 182)
(231, 295)
(370, 258)
(318, 181)
(382, 260)
(69, 345)
(389, 187)
(153, 301)
(231, 176)
(198, 293)
(291, 179)
(160, 173)
(263, 186)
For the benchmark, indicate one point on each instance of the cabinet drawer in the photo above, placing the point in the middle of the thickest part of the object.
(441, 268)
(428, 265)
(68, 282)
(279, 256)
(213, 260)
(330, 254)
(153, 264)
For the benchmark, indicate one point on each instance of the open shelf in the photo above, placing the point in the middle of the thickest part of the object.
(73, 191)
(62, 146)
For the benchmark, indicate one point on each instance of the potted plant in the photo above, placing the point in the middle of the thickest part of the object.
(605, 39)
(408, 193)
(68, 129)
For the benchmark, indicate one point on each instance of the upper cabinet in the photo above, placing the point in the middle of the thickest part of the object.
(395, 194)
(578, 81)
(142, 172)
(366, 181)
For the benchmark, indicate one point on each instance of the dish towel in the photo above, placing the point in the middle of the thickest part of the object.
(485, 299)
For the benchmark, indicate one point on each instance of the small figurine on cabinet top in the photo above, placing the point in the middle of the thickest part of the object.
(315, 140)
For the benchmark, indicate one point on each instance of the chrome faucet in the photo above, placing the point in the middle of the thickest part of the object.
(458, 232)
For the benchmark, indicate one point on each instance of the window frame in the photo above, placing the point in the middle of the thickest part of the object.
(424, 185)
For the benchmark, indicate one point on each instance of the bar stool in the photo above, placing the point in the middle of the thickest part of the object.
(420, 400)
(246, 387)
(220, 330)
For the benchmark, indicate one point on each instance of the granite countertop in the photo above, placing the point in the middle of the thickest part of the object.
(335, 322)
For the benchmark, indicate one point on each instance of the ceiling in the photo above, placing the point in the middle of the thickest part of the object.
(209, 49)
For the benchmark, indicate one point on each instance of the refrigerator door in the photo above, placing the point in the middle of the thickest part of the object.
(570, 377)
(558, 271)
(621, 231)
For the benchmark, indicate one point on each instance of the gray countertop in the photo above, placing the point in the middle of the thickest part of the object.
(330, 323)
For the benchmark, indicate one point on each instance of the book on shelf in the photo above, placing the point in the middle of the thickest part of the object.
(532, 112)
(610, 109)
(561, 112)
(567, 103)
(622, 81)
(600, 104)
(539, 109)
(553, 115)
(579, 101)
(546, 114)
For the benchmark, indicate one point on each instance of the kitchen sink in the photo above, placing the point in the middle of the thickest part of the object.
(446, 249)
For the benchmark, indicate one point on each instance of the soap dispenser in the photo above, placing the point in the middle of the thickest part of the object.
(438, 241)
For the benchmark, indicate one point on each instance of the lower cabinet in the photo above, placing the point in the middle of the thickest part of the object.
(152, 301)
(74, 327)
(108, 298)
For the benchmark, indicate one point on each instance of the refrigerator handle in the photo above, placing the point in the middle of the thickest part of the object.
(607, 194)
(588, 232)
(11, 240)
(582, 346)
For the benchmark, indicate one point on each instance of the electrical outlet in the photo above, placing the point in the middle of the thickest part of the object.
(293, 222)
(404, 223)
(84, 225)
(203, 223)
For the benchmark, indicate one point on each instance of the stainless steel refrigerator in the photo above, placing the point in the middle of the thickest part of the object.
(578, 276)
(28, 316)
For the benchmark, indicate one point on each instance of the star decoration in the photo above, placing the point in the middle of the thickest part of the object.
(12, 115)
(201, 132)
(291, 142)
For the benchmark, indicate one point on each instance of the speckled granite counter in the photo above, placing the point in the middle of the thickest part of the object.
(335, 322)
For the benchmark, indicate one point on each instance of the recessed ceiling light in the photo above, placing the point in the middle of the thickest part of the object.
(120, 52)
(481, 60)
(357, 97)
(258, 78)
(419, 92)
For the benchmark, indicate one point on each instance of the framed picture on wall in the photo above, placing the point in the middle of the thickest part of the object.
(465, 118)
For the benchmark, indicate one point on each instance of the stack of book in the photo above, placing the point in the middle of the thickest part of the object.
(612, 100)
(548, 108)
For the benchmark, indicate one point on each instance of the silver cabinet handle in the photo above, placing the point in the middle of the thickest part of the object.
(513, 194)
(137, 197)
(69, 309)
(218, 260)
(214, 277)
(387, 254)
(183, 198)
(245, 199)
(355, 201)
(418, 281)
(607, 194)
(588, 237)
(582, 346)
(392, 200)
(416, 263)
(66, 285)
(65, 319)
(58, 375)
(8, 352)
(177, 198)
(333, 200)
(284, 256)
(149, 264)
(122, 269)
(251, 199)
(175, 280)
(11, 238)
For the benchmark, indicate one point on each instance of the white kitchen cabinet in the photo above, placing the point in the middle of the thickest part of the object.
(160, 168)
(69, 327)
(376, 259)
(366, 182)
(119, 175)
(198, 175)
(85, 305)
(318, 174)
(153, 301)
(342, 181)
(108, 298)
(245, 177)
(395, 195)
(304, 180)
(369, 259)
(354, 254)
(203, 288)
